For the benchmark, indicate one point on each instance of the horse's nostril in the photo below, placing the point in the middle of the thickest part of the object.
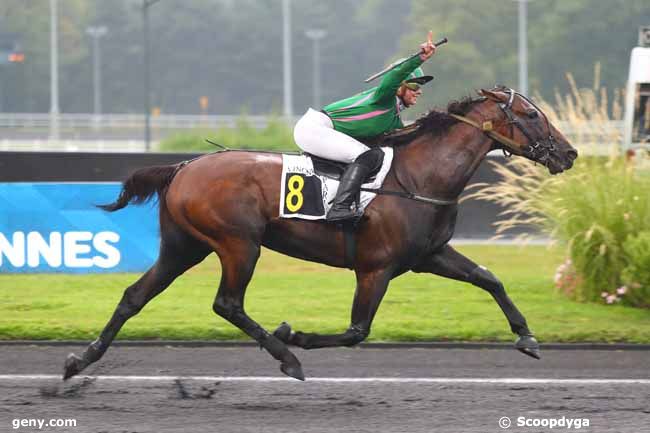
(573, 154)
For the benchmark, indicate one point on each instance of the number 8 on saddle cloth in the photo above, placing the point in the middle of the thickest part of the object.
(307, 194)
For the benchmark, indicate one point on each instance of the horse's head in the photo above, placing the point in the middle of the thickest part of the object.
(521, 127)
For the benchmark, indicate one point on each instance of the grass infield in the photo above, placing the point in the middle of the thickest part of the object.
(315, 298)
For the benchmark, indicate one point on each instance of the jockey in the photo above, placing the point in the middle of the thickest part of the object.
(334, 132)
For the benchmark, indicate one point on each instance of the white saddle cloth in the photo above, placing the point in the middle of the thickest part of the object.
(307, 195)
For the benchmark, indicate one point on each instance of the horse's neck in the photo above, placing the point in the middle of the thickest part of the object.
(443, 165)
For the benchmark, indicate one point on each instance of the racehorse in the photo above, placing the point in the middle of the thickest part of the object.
(228, 202)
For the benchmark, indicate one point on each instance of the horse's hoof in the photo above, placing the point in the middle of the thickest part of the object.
(528, 345)
(283, 332)
(73, 366)
(293, 370)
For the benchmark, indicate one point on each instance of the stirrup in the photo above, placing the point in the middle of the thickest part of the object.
(335, 214)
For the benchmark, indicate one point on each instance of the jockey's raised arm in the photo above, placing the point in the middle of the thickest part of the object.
(392, 81)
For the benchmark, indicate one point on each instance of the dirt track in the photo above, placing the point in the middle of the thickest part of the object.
(234, 403)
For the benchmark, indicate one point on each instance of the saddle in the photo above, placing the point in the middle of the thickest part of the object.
(334, 169)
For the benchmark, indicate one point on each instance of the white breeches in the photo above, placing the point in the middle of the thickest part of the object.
(315, 134)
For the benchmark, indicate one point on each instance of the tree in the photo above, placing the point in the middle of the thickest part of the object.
(563, 36)
(231, 50)
(31, 21)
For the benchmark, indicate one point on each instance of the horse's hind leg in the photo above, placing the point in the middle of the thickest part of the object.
(371, 287)
(450, 263)
(178, 253)
(238, 260)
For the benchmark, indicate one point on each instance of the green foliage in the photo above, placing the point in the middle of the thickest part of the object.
(276, 135)
(595, 208)
(562, 36)
(25, 86)
(229, 51)
(207, 48)
(192, 141)
(636, 275)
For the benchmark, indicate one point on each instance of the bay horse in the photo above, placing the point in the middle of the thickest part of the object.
(228, 203)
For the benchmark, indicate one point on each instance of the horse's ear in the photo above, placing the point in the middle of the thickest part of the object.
(497, 97)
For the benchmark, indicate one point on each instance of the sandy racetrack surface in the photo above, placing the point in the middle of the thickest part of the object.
(212, 389)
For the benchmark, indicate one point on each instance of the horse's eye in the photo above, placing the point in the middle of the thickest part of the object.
(532, 114)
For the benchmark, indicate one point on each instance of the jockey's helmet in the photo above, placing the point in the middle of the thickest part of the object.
(417, 76)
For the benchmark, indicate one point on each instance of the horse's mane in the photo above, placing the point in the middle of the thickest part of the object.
(434, 122)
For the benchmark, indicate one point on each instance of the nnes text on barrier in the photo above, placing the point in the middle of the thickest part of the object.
(71, 249)
(56, 227)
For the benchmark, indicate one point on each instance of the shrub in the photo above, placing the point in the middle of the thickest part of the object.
(567, 279)
(192, 141)
(636, 275)
(593, 210)
(276, 135)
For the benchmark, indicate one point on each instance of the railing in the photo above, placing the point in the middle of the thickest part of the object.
(74, 145)
(188, 121)
(124, 132)
(125, 121)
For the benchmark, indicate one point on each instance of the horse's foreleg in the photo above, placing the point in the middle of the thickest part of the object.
(170, 264)
(371, 287)
(450, 263)
(238, 259)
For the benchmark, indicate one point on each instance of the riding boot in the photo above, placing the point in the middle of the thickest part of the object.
(348, 190)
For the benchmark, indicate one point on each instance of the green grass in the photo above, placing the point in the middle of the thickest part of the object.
(312, 297)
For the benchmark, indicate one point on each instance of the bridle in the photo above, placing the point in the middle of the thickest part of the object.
(537, 149)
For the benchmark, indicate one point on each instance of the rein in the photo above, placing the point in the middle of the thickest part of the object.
(411, 196)
(488, 129)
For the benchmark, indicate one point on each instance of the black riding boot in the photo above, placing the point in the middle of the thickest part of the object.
(351, 182)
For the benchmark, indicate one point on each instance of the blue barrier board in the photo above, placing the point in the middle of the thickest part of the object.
(55, 227)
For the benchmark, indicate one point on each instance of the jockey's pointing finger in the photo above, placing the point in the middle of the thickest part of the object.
(427, 49)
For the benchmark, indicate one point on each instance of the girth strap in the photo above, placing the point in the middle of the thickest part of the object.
(349, 244)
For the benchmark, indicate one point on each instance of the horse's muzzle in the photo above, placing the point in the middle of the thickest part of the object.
(560, 161)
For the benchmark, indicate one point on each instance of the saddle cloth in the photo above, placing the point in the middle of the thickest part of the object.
(306, 194)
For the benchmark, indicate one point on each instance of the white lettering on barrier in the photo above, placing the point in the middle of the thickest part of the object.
(73, 249)
(102, 243)
(14, 251)
(38, 247)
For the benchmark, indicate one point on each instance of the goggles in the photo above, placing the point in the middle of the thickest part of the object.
(412, 86)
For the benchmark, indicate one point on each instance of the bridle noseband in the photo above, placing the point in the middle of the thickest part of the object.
(538, 150)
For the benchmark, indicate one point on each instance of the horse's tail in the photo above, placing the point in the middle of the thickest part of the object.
(141, 186)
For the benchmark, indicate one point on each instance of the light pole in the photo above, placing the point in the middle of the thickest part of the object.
(146, 4)
(316, 35)
(286, 57)
(54, 71)
(96, 33)
(523, 47)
